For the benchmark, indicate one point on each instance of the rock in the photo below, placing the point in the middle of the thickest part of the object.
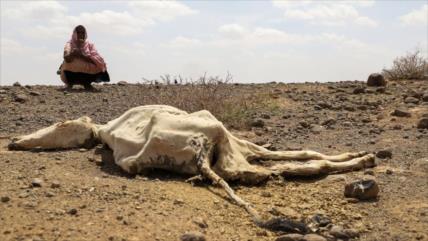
(362, 189)
(420, 165)
(21, 98)
(369, 172)
(36, 182)
(389, 172)
(258, 123)
(411, 100)
(5, 199)
(290, 237)
(34, 93)
(3, 92)
(376, 79)
(286, 212)
(313, 237)
(317, 129)
(425, 97)
(401, 113)
(328, 122)
(265, 116)
(122, 83)
(304, 124)
(384, 154)
(55, 184)
(178, 201)
(72, 211)
(320, 220)
(17, 84)
(340, 233)
(200, 222)
(359, 90)
(193, 236)
(422, 123)
(49, 194)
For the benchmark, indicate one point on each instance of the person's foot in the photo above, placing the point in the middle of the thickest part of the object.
(68, 87)
(89, 87)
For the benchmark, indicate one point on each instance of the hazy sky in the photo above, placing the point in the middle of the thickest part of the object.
(256, 41)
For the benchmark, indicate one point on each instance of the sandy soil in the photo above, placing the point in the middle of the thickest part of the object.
(80, 199)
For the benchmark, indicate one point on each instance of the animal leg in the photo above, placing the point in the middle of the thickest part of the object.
(316, 167)
(263, 153)
(203, 162)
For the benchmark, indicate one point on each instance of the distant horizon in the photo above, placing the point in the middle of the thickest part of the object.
(256, 41)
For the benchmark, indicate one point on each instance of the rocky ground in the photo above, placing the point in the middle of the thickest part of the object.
(68, 195)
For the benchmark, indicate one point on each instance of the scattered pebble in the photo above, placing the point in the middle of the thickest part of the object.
(36, 182)
(5, 199)
(384, 154)
(193, 236)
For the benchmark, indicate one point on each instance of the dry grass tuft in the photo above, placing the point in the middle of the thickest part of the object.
(413, 66)
(231, 103)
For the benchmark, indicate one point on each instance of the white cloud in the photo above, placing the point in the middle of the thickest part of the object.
(180, 42)
(37, 10)
(49, 19)
(10, 47)
(327, 13)
(232, 31)
(161, 10)
(416, 17)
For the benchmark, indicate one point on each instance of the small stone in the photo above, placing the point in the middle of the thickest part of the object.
(422, 123)
(290, 237)
(72, 211)
(17, 84)
(362, 189)
(5, 199)
(340, 233)
(317, 129)
(258, 123)
(384, 154)
(36, 182)
(49, 194)
(266, 194)
(401, 113)
(313, 237)
(304, 124)
(388, 171)
(34, 93)
(420, 165)
(320, 220)
(411, 100)
(193, 236)
(122, 83)
(200, 222)
(359, 90)
(369, 172)
(55, 184)
(21, 98)
(265, 116)
(425, 97)
(178, 201)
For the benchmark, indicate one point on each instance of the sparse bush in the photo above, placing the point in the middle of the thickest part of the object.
(232, 104)
(413, 66)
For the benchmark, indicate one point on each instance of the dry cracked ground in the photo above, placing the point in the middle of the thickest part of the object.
(69, 195)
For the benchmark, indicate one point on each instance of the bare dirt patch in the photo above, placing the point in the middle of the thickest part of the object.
(80, 199)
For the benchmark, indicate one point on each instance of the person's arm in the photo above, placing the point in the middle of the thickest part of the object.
(68, 54)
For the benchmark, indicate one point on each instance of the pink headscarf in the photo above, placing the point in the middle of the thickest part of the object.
(88, 49)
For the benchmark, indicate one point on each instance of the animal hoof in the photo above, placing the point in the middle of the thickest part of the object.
(369, 161)
(13, 146)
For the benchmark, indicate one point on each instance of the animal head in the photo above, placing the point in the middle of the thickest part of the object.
(67, 134)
